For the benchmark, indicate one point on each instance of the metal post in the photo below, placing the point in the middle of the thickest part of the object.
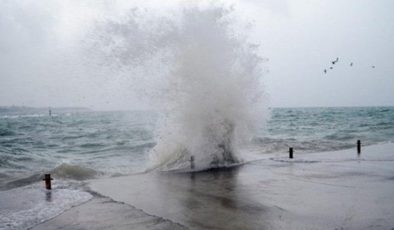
(291, 153)
(192, 162)
(47, 180)
(358, 146)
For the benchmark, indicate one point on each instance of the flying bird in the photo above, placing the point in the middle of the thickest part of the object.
(325, 71)
(351, 63)
(335, 61)
(373, 67)
(331, 67)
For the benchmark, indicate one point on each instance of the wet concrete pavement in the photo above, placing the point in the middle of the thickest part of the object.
(331, 190)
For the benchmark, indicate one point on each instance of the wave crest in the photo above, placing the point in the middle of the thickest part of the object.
(74, 172)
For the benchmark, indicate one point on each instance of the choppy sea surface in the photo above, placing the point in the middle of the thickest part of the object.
(88, 144)
(78, 145)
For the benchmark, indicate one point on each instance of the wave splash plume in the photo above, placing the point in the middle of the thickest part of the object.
(200, 72)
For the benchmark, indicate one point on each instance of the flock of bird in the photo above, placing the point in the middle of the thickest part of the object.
(335, 62)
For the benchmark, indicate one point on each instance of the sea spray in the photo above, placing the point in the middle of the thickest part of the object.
(203, 75)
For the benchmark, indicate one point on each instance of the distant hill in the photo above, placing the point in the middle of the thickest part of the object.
(40, 110)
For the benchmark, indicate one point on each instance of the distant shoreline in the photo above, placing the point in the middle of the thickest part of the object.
(44, 109)
(27, 109)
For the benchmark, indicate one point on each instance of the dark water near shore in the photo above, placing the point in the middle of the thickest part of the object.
(86, 144)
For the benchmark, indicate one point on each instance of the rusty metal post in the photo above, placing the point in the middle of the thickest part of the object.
(358, 147)
(291, 153)
(47, 179)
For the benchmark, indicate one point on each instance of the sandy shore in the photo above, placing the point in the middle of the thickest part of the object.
(330, 190)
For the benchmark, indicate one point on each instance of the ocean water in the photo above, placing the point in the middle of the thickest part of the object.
(75, 146)
(90, 144)
(81, 145)
(326, 129)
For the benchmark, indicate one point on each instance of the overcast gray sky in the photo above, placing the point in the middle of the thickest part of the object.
(41, 63)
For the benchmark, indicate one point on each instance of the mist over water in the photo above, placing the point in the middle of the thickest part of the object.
(196, 69)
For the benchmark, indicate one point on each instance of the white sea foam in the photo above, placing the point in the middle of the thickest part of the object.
(25, 207)
(207, 79)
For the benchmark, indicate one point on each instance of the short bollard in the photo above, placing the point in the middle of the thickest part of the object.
(358, 146)
(47, 179)
(291, 153)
